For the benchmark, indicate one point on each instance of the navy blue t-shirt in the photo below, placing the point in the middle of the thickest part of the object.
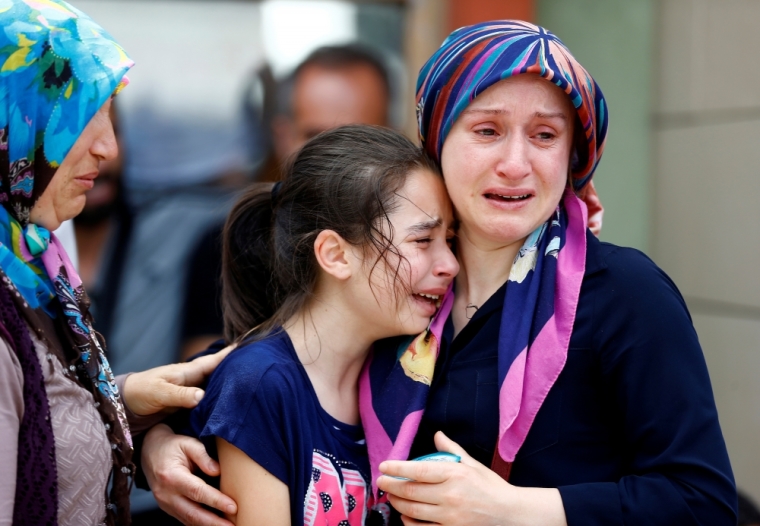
(261, 400)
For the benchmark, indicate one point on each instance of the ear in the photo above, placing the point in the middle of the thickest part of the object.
(334, 254)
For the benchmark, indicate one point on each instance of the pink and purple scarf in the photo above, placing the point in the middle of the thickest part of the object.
(545, 279)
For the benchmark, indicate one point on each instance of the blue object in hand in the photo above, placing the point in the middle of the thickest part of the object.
(441, 456)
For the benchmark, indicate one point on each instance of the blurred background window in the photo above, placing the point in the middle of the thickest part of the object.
(182, 118)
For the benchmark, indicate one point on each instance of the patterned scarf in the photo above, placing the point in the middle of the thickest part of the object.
(57, 68)
(546, 275)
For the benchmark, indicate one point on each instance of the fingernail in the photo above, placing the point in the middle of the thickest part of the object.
(230, 509)
(199, 395)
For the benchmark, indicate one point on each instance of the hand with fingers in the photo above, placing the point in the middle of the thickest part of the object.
(170, 387)
(168, 461)
(453, 494)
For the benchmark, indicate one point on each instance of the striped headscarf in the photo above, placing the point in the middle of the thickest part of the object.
(57, 69)
(545, 278)
(474, 58)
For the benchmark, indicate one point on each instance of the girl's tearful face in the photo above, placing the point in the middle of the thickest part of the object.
(405, 287)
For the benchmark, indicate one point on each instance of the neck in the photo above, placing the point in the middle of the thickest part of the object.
(484, 267)
(332, 346)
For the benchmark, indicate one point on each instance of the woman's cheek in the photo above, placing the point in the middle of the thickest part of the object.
(416, 266)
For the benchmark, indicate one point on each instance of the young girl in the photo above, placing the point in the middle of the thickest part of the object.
(351, 248)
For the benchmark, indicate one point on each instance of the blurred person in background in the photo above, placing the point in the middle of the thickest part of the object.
(149, 231)
(137, 229)
(333, 86)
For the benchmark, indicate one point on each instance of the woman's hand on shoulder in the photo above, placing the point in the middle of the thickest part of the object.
(171, 386)
(465, 493)
(168, 461)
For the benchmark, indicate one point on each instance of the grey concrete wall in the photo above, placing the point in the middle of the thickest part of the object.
(706, 186)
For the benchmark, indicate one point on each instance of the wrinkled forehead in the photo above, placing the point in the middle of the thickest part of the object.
(421, 204)
(523, 93)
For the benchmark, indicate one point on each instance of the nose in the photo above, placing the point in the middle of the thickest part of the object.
(105, 146)
(514, 162)
(446, 265)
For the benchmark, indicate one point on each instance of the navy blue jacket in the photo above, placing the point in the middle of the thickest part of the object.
(629, 433)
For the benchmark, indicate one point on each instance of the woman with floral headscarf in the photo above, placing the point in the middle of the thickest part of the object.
(567, 365)
(63, 426)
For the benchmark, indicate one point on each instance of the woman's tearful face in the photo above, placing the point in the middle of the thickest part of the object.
(506, 159)
(402, 291)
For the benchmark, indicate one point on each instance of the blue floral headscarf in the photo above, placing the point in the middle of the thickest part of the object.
(57, 69)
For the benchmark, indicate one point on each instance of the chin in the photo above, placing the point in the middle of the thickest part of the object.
(73, 209)
(509, 232)
(417, 326)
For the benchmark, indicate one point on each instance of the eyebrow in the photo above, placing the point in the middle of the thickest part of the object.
(424, 226)
(539, 114)
(483, 110)
(553, 115)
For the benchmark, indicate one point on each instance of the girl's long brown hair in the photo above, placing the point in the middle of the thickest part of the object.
(345, 180)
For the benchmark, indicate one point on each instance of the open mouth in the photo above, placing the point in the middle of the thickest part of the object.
(432, 299)
(508, 198)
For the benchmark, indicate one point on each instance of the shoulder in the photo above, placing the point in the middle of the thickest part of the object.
(602, 256)
(629, 303)
(625, 259)
(628, 277)
(256, 360)
(254, 400)
(265, 370)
